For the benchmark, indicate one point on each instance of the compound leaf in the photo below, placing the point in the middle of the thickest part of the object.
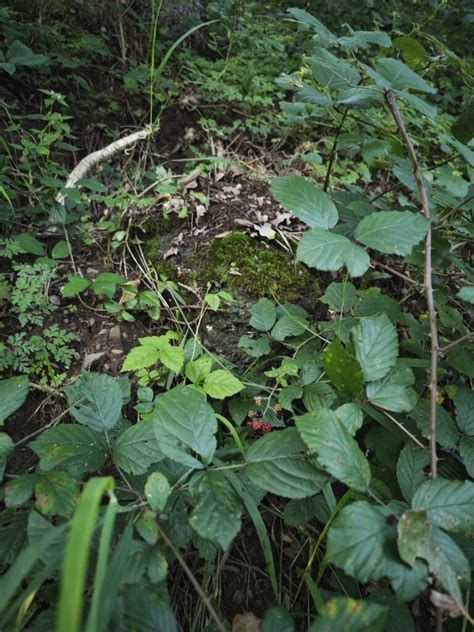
(376, 346)
(392, 232)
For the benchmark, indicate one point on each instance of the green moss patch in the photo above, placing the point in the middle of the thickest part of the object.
(243, 265)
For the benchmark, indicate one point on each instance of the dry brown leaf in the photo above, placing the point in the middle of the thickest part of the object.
(171, 252)
(445, 603)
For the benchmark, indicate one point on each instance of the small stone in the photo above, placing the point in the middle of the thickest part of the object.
(55, 300)
(115, 333)
(117, 351)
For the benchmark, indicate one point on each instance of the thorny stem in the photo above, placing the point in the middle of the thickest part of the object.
(443, 350)
(428, 285)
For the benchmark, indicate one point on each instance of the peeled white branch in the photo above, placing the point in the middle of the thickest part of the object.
(101, 155)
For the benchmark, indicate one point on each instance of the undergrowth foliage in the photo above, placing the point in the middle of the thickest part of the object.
(360, 422)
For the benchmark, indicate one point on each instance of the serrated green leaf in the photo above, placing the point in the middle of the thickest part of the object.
(342, 369)
(330, 251)
(19, 490)
(77, 449)
(351, 417)
(288, 394)
(255, 347)
(337, 451)
(217, 513)
(75, 286)
(289, 325)
(413, 52)
(410, 469)
(137, 448)
(414, 536)
(13, 393)
(392, 232)
(376, 303)
(332, 72)
(464, 403)
(6, 445)
(157, 567)
(56, 494)
(172, 358)
(157, 490)
(147, 527)
(450, 504)
(95, 400)
(278, 463)
(417, 538)
(340, 297)
(393, 392)
(394, 74)
(446, 432)
(348, 615)
(363, 541)
(263, 315)
(183, 422)
(197, 370)
(376, 346)
(311, 205)
(318, 395)
(106, 283)
(221, 384)
(61, 250)
(140, 357)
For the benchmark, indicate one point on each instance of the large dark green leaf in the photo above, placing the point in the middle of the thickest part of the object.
(184, 422)
(376, 346)
(278, 463)
(394, 74)
(95, 400)
(337, 451)
(330, 251)
(137, 448)
(217, 513)
(263, 315)
(363, 541)
(311, 205)
(450, 504)
(392, 232)
(417, 538)
(410, 469)
(342, 369)
(332, 72)
(56, 494)
(393, 392)
(77, 449)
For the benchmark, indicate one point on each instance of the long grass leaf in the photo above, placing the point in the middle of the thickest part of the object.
(101, 567)
(71, 589)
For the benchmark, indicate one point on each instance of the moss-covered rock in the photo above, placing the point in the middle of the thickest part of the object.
(243, 265)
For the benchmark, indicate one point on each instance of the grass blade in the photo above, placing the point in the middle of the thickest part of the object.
(71, 589)
(101, 568)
